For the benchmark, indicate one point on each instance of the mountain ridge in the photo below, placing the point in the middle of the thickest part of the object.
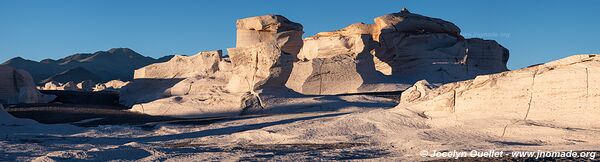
(102, 66)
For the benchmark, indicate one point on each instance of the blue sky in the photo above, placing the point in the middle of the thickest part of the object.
(534, 31)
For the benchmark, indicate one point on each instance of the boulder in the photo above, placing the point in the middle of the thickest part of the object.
(86, 85)
(69, 86)
(52, 85)
(17, 86)
(101, 66)
(113, 85)
(561, 94)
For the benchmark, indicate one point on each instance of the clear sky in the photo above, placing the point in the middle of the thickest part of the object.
(533, 31)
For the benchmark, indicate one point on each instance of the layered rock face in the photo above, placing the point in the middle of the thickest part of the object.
(266, 47)
(113, 85)
(17, 86)
(101, 66)
(269, 29)
(418, 47)
(391, 54)
(339, 62)
(560, 94)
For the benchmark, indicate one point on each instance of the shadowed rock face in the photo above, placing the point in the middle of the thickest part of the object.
(16, 86)
(390, 55)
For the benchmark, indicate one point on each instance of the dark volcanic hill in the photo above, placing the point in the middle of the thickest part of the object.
(76, 75)
(101, 66)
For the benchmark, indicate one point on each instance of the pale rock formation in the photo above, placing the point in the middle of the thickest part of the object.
(52, 85)
(17, 86)
(203, 63)
(69, 86)
(113, 85)
(339, 62)
(195, 88)
(390, 55)
(86, 85)
(157, 80)
(270, 29)
(207, 85)
(418, 47)
(558, 94)
(199, 96)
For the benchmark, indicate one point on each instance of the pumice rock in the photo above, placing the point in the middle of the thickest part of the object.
(17, 86)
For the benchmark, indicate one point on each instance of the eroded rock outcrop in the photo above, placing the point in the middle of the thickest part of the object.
(258, 67)
(207, 85)
(390, 55)
(269, 29)
(86, 85)
(113, 85)
(182, 75)
(17, 86)
(558, 94)
(418, 47)
(183, 66)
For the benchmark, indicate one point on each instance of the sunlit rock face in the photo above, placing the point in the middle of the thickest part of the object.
(390, 55)
(269, 29)
(17, 86)
(113, 85)
(265, 50)
(203, 63)
(560, 93)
